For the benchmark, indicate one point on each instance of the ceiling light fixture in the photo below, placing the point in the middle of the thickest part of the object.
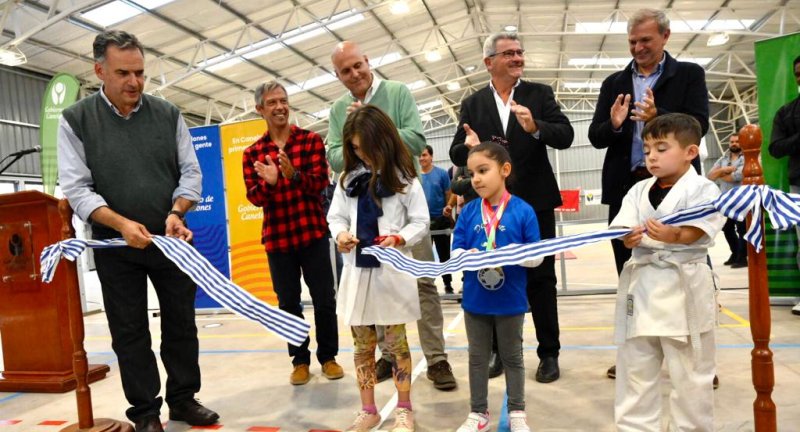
(399, 8)
(717, 39)
(510, 28)
(433, 56)
(470, 68)
(12, 56)
(453, 86)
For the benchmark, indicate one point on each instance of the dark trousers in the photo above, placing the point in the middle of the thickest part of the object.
(442, 243)
(734, 234)
(621, 253)
(314, 263)
(541, 290)
(123, 274)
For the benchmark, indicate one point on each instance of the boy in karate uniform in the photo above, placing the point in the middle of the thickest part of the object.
(666, 300)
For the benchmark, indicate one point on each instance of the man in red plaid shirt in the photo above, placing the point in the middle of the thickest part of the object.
(285, 172)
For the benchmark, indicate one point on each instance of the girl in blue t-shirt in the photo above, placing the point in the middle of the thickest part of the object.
(494, 297)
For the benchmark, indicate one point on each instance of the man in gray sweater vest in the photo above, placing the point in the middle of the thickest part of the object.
(127, 165)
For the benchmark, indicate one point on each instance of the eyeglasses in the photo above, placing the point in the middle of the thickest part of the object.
(509, 54)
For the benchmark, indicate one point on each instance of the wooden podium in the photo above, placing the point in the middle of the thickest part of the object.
(34, 316)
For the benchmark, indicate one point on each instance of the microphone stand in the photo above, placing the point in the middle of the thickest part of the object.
(16, 158)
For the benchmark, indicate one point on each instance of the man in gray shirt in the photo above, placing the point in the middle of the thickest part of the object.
(727, 173)
(127, 166)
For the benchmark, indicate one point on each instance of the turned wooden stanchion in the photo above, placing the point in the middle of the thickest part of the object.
(86, 420)
(760, 321)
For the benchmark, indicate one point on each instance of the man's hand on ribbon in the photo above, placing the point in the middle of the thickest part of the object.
(135, 234)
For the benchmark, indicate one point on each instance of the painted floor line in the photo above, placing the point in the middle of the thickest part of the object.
(422, 365)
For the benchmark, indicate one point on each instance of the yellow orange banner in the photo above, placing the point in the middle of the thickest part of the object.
(249, 268)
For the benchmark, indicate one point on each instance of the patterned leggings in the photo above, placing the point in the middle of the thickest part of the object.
(366, 339)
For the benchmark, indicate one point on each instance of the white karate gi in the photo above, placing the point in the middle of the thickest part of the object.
(380, 295)
(666, 313)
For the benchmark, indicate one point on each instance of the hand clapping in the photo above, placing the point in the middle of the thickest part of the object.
(524, 117)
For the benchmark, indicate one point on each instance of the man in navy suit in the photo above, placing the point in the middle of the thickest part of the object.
(652, 84)
(524, 117)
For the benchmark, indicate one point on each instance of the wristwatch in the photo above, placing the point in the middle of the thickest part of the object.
(296, 176)
(181, 215)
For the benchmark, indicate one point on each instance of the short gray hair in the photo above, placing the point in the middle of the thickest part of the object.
(120, 39)
(643, 15)
(267, 87)
(490, 45)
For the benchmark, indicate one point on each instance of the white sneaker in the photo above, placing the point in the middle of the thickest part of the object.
(476, 422)
(364, 422)
(403, 420)
(518, 421)
(796, 309)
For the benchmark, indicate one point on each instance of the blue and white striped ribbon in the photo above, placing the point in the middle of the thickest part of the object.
(782, 208)
(232, 297)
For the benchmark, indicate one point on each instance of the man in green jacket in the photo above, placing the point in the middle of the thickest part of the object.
(353, 70)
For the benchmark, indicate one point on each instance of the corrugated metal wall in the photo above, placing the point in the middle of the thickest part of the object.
(20, 106)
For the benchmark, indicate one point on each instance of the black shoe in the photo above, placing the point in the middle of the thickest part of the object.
(191, 412)
(448, 289)
(548, 370)
(716, 382)
(149, 423)
(383, 370)
(442, 375)
(731, 260)
(495, 365)
(739, 264)
(612, 372)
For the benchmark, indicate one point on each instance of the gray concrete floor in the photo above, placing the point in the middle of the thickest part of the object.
(245, 369)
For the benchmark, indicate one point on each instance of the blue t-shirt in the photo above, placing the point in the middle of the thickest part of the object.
(517, 226)
(435, 184)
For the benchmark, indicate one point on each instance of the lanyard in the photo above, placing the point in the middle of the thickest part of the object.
(491, 219)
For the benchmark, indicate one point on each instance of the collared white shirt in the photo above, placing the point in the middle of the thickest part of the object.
(503, 108)
(376, 82)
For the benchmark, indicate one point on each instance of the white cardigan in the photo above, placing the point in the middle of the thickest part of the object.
(379, 295)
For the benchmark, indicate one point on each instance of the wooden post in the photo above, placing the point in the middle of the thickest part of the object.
(760, 321)
(86, 420)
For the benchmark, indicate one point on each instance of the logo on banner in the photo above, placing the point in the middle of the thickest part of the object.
(59, 93)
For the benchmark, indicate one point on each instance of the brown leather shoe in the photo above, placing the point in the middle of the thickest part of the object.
(332, 370)
(300, 375)
(442, 375)
(383, 370)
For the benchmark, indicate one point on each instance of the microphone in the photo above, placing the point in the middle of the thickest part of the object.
(35, 149)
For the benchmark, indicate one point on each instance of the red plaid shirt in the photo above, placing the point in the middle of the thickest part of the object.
(293, 216)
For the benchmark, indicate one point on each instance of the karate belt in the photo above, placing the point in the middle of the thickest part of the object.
(662, 259)
(286, 326)
(782, 208)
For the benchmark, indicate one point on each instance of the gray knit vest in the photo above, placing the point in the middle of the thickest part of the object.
(134, 162)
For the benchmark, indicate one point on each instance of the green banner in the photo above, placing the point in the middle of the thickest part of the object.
(777, 87)
(61, 92)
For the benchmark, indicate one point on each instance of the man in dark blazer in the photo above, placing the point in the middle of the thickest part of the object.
(657, 84)
(652, 84)
(524, 117)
